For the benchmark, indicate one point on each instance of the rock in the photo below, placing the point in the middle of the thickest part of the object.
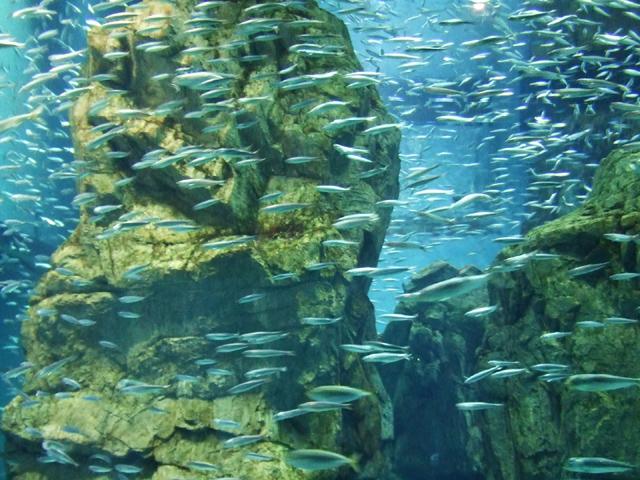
(433, 439)
(146, 241)
(434, 273)
(544, 424)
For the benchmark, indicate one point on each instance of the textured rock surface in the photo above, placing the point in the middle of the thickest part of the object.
(433, 439)
(190, 291)
(544, 424)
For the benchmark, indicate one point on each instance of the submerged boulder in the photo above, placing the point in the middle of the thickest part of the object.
(583, 319)
(201, 252)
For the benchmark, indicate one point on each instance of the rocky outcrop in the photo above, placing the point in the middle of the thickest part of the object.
(189, 116)
(433, 439)
(545, 423)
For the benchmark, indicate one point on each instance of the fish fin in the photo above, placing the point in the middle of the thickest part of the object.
(354, 462)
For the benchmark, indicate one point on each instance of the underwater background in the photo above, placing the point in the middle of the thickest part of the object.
(336, 239)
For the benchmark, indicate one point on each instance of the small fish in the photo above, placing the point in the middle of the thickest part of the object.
(327, 107)
(267, 353)
(589, 324)
(356, 220)
(100, 469)
(322, 406)
(554, 335)
(332, 189)
(549, 367)
(586, 269)
(399, 317)
(200, 466)
(133, 387)
(264, 372)
(622, 277)
(226, 423)
(481, 311)
(314, 460)
(240, 240)
(447, 289)
(319, 321)
(247, 386)
(336, 393)
(251, 298)
(127, 469)
(55, 366)
(476, 377)
(597, 465)
(259, 457)
(288, 414)
(600, 382)
(476, 406)
(284, 207)
(386, 357)
(620, 321)
(242, 441)
(509, 372)
(17, 120)
(622, 237)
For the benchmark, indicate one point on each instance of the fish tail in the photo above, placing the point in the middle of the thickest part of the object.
(354, 462)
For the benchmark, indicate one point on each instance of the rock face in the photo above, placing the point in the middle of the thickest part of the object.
(209, 105)
(545, 423)
(433, 439)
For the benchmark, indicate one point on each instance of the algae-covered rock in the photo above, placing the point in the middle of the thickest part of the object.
(190, 115)
(543, 423)
(433, 440)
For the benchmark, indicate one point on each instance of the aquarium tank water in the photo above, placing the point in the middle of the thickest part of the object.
(320, 239)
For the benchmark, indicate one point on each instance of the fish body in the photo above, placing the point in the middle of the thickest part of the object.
(336, 393)
(477, 406)
(447, 289)
(597, 465)
(600, 382)
(315, 460)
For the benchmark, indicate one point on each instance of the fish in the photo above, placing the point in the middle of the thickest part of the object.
(284, 207)
(478, 406)
(17, 120)
(596, 465)
(586, 269)
(480, 312)
(325, 406)
(623, 277)
(316, 460)
(386, 357)
(130, 387)
(247, 386)
(202, 466)
(447, 289)
(336, 393)
(476, 377)
(356, 221)
(242, 441)
(600, 382)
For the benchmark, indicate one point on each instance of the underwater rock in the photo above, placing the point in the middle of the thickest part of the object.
(544, 423)
(433, 440)
(176, 142)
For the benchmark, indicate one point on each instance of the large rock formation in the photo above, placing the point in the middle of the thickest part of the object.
(544, 424)
(184, 103)
(433, 440)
